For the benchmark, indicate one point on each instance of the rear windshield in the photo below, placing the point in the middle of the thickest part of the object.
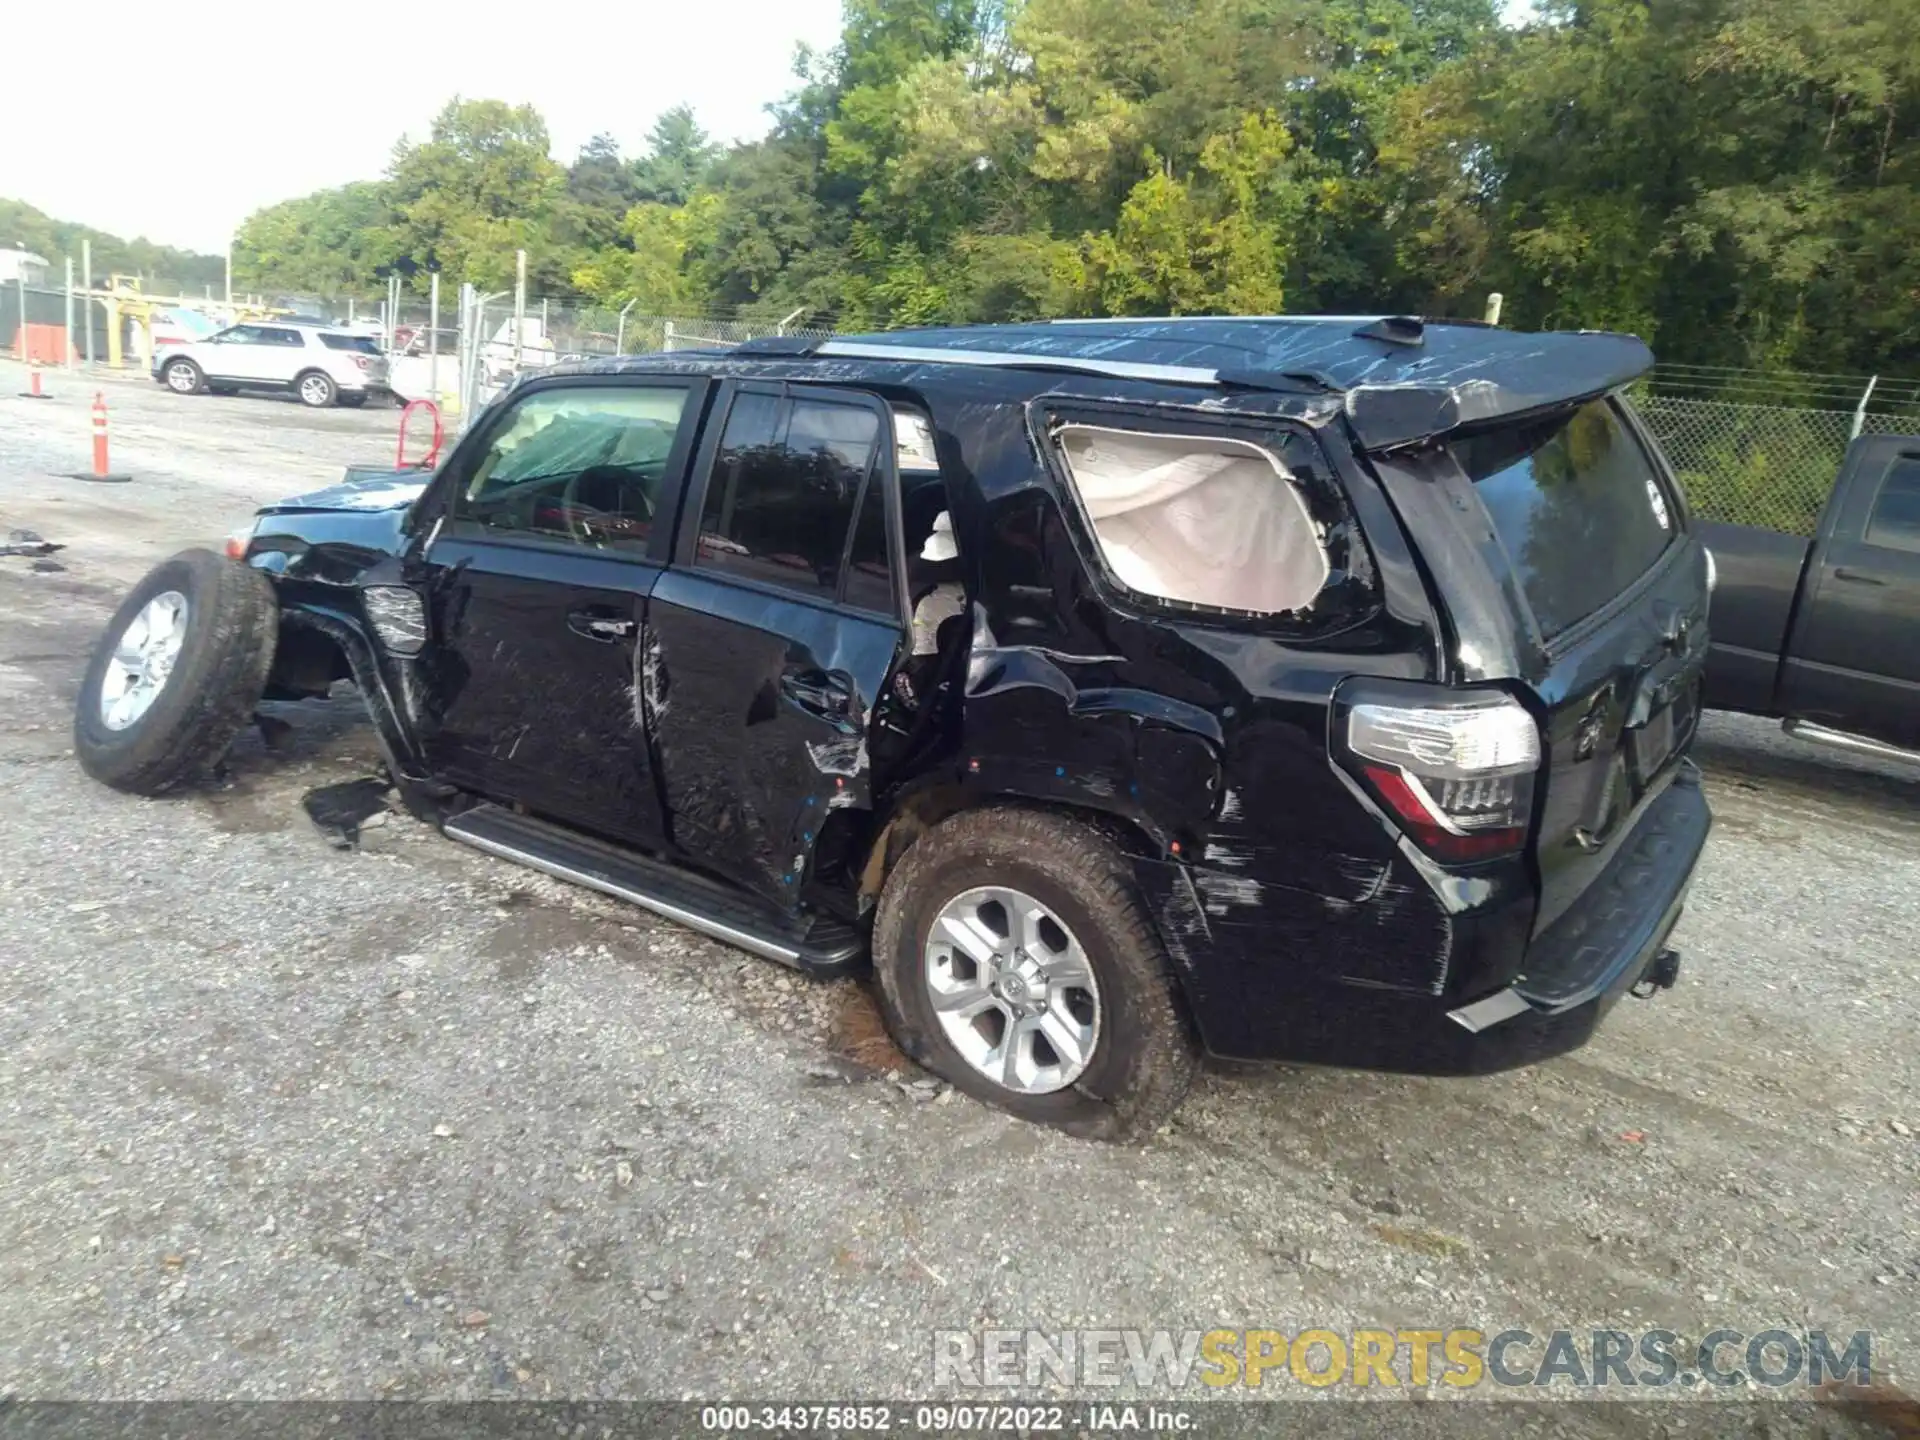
(1578, 507)
(365, 344)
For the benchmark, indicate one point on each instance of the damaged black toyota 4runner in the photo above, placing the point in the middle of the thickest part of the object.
(1310, 689)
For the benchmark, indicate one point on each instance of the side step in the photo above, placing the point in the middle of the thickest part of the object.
(1857, 744)
(816, 944)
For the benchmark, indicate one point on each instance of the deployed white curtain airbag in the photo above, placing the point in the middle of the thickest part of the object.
(1211, 522)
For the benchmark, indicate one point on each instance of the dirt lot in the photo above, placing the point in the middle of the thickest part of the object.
(283, 1120)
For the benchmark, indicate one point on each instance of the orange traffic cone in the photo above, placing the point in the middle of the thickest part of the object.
(100, 471)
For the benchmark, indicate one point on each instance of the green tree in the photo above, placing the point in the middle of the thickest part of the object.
(163, 266)
(678, 159)
(482, 186)
(331, 242)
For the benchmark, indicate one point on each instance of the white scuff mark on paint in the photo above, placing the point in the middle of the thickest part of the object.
(839, 757)
(1224, 892)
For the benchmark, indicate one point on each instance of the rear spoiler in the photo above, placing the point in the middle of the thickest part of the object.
(1566, 371)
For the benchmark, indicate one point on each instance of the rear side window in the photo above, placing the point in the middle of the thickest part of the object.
(787, 484)
(1578, 507)
(274, 335)
(1216, 523)
(365, 344)
(1895, 522)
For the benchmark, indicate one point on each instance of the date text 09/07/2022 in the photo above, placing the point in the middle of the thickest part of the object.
(946, 1419)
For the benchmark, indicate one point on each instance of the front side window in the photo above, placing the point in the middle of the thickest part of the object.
(781, 501)
(582, 466)
(1895, 522)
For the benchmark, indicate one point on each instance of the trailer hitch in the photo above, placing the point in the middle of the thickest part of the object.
(1659, 975)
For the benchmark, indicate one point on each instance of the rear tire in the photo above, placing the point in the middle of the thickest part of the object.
(147, 738)
(183, 377)
(316, 389)
(1143, 1054)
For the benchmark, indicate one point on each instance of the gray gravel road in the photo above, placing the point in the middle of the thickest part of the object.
(288, 1121)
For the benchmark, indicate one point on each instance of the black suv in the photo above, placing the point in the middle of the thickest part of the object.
(1313, 689)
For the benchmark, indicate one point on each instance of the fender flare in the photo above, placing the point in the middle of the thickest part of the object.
(398, 744)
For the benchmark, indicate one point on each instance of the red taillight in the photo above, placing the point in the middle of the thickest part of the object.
(1419, 818)
(1455, 769)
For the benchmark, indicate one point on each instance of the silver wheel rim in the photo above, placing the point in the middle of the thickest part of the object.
(180, 377)
(1013, 990)
(313, 390)
(143, 659)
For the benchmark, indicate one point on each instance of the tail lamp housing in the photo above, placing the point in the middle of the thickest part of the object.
(1454, 769)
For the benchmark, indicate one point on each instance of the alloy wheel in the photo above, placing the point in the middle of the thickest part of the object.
(1013, 990)
(143, 659)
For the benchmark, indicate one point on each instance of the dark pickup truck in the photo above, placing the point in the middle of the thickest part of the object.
(1824, 634)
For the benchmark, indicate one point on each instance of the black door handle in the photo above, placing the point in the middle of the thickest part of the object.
(1859, 577)
(818, 693)
(601, 624)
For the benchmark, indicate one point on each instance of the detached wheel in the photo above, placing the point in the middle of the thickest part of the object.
(1016, 960)
(179, 671)
(316, 389)
(183, 377)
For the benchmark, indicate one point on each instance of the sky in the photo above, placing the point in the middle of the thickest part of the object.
(239, 105)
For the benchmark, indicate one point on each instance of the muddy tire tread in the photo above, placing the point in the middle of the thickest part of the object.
(1079, 859)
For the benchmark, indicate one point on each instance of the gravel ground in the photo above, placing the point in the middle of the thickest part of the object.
(287, 1121)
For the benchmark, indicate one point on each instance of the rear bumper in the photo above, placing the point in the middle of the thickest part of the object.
(1559, 986)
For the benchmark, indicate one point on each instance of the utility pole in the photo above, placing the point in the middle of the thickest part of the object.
(69, 345)
(86, 283)
(433, 336)
(519, 306)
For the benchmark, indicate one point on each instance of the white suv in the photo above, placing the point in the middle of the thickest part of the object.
(323, 365)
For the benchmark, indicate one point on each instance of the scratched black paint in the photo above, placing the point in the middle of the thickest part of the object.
(738, 726)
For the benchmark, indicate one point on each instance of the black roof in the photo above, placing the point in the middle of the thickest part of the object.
(1400, 381)
(1404, 379)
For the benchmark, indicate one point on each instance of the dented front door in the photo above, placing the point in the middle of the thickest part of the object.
(772, 634)
(544, 551)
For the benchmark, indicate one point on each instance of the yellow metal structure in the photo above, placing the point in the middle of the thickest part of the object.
(124, 301)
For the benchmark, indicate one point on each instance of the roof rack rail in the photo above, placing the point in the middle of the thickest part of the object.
(779, 345)
(1019, 360)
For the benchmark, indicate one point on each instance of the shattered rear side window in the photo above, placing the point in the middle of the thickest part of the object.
(1212, 522)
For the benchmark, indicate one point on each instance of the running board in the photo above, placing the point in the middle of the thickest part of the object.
(1856, 744)
(816, 944)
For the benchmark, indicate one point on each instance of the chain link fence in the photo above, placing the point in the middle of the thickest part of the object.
(1771, 466)
(1750, 447)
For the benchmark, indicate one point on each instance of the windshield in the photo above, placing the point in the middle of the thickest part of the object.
(1577, 504)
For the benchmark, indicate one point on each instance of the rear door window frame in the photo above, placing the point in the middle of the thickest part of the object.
(884, 470)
